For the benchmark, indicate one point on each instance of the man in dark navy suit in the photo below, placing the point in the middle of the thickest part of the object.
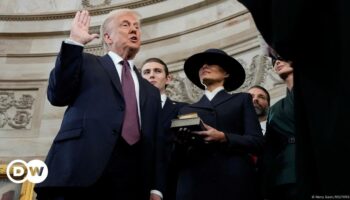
(156, 72)
(109, 145)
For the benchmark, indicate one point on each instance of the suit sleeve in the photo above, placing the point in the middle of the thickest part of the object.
(65, 77)
(251, 140)
(161, 164)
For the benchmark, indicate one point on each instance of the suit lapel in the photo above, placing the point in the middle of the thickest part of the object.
(168, 109)
(109, 66)
(220, 98)
(203, 103)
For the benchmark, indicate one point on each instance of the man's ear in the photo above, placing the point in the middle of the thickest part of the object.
(169, 78)
(107, 38)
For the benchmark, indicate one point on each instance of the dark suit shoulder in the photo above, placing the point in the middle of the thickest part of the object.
(150, 90)
(185, 108)
(91, 56)
(241, 94)
(69, 51)
(148, 85)
(177, 103)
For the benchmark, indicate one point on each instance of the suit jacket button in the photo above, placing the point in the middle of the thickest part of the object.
(114, 132)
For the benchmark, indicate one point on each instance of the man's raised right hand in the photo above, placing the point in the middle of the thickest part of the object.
(80, 28)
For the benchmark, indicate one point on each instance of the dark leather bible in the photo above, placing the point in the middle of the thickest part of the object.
(183, 127)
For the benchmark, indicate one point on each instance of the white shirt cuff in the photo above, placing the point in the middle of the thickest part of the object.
(70, 41)
(157, 193)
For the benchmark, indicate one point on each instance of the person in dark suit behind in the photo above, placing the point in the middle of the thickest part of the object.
(278, 160)
(109, 144)
(156, 72)
(220, 166)
(299, 31)
(261, 102)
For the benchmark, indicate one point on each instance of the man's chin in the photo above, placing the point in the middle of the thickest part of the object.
(134, 47)
(258, 111)
(133, 50)
(284, 75)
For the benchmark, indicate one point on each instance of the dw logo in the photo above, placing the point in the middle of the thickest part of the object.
(34, 171)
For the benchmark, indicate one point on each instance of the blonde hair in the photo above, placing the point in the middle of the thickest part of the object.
(112, 16)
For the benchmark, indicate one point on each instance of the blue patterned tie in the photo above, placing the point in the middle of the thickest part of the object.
(130, 130)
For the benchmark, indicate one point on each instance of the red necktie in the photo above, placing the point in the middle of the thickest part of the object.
(130, 130)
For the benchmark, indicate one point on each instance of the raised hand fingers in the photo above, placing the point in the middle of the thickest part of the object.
(80, 28)
(85, 18)
(77, 17)
(82, 17)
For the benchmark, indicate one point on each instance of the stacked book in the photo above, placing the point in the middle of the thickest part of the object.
(184, 125)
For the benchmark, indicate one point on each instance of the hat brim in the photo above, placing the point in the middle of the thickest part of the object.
(230, 65)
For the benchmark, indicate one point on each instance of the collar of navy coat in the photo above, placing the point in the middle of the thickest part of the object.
(110, 69)
(220, 97)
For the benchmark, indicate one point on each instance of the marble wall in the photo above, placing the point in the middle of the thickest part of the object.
(31, 33)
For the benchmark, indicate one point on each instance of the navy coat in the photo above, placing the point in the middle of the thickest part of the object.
(92, 123)
(222, 171)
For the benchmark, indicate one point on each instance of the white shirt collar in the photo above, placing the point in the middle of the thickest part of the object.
(116, 59)
(163, 99)
(211, 95)
(263, 126)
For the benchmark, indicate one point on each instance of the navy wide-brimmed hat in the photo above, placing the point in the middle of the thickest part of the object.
(215, 56)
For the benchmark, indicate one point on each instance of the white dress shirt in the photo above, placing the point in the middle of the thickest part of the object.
(263, 126)
(163, 99)
(211, 95)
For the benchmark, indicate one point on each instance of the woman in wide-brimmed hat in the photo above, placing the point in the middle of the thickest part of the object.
(219, 167)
